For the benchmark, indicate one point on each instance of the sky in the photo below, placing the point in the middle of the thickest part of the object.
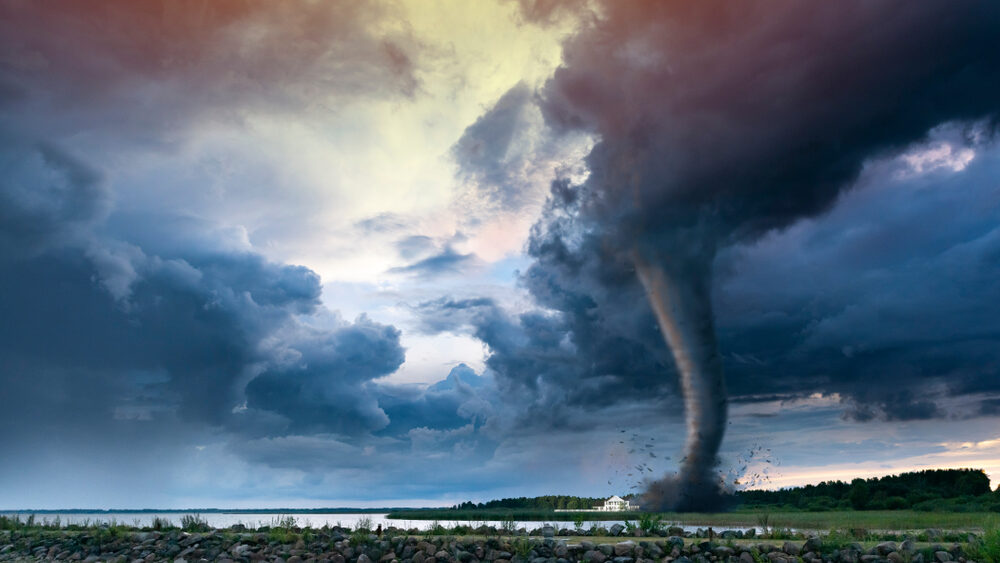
(363, 253)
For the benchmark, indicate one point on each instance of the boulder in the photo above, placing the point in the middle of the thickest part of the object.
(723, 551)
(624, 548)
(791, 548)
(813, 543)
(942, 556)
(616, 529)
(894, 557)
(886, 547)
(746, 557)
(594, 556)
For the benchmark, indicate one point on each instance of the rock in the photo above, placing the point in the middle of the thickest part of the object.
(812, 543)
(917, 558)
(791, 548)
(624, 548)
(682, 559)
(623, 560)
(616, 529)
(723, 551)
(745, 557)
(548, 531)
(942, 556)
(894, 557)
(886, 547)
(868, 558)
(364, 559)
(776, 557)
(673, 541)
(606, 549)
(594, 556)
(655, 550)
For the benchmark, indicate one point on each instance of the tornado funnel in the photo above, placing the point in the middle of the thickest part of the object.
(678, 290)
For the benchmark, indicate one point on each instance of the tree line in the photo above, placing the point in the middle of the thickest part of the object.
(963, 490)
(548, 502)
(932, 489)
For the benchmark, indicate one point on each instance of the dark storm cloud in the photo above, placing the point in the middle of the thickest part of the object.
(151, 331)
(327, 388)
(462, 397)
(990, 407)
(716, 124)
(546, 378)
(154, 64)
(105, 338)
(694, 144)
(45, 195)
(883, 301)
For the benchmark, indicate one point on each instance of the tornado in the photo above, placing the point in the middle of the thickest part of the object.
(679, 294)
(718, 123)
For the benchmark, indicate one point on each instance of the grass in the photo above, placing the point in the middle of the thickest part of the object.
(986, 549)
(840, 519)
(194, 523)
(844, 519)
(493, 514)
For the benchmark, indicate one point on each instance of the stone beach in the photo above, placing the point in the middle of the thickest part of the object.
(341, 545)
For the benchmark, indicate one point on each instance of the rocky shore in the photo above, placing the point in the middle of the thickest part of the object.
(338, 545)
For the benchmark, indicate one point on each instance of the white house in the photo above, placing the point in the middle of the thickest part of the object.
(617, 504)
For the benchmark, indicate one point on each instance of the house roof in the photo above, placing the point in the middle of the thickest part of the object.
(615, 498)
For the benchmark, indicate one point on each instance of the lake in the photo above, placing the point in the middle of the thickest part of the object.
(315, 520)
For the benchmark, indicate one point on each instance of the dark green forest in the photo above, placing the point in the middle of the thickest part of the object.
(960, 490)
(933, 489)
(548, 502)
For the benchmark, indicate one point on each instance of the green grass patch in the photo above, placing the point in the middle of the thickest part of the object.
(775, 520)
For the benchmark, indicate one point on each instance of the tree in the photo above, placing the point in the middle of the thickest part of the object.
(858, 494)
